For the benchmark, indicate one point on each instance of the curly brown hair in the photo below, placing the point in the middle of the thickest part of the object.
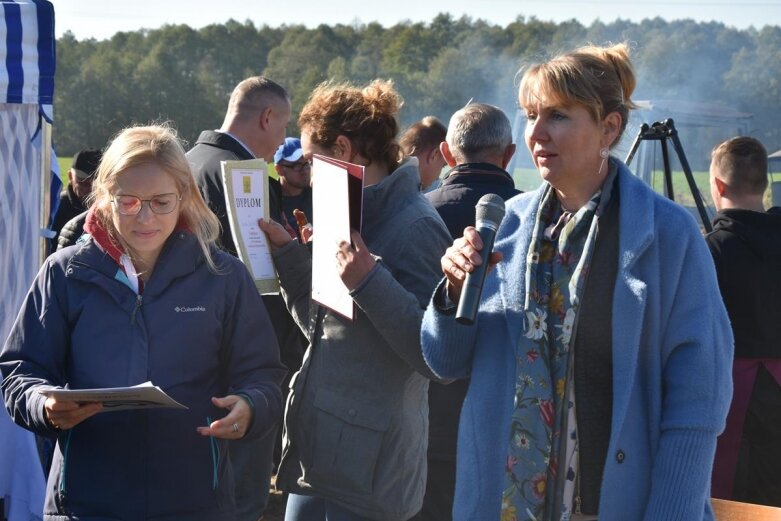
(367, 116)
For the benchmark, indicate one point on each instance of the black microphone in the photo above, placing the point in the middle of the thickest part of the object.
(488, 214)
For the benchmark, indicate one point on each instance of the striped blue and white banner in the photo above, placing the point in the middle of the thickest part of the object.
(27, 55)
(27, 63)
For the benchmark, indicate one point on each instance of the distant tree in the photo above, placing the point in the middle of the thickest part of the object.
(365, 64)
(186, 76)
(235, 51)
(754, 84)
(470, 71)
(302, 59)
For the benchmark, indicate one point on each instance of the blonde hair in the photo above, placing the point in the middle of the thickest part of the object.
(368, 117)
(157, 144)
(600, 79)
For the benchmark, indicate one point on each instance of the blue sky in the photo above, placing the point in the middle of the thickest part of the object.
(102, 18)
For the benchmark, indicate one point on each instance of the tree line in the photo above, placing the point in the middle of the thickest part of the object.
(185, 75)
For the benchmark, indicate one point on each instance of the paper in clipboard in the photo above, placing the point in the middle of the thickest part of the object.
(337, 205)
(245, 184)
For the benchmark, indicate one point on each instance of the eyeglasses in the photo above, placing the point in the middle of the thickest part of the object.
(298, 166)
(160, 204)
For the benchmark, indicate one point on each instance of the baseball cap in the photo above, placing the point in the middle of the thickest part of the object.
(289, 151)
(85, 163)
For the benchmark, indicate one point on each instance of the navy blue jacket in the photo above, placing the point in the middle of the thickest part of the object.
(463, 186)
(194, 333)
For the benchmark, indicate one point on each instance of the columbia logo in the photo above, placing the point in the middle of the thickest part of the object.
(183, 309)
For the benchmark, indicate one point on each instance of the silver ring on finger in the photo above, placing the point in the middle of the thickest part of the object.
(235, 427)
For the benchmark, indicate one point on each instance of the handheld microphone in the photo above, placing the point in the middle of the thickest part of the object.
(488, 214)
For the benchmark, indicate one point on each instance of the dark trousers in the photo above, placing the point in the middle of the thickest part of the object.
(440, 491)
(758, 478)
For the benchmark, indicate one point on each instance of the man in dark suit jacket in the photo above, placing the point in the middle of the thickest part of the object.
(478, 148)
(254, 127)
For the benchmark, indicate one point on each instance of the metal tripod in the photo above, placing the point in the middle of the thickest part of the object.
(662, 131)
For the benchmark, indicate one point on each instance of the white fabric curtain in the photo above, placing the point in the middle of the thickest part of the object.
(20, 178)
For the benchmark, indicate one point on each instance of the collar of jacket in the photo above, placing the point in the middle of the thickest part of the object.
(74, 199)
(383, 200)
(476, 173)
(224, 141)
(760, 231)
(107, 244)
(181, 255)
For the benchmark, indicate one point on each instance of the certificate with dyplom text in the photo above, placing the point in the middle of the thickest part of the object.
(247, 200)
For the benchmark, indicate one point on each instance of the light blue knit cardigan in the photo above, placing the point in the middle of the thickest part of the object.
(672, 356)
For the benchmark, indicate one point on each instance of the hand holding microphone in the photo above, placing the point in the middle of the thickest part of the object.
(467, 262)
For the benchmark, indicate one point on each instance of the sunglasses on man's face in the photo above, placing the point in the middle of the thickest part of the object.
(298, 166)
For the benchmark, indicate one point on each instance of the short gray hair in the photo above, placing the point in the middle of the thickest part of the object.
(255, 94)
(476, 130)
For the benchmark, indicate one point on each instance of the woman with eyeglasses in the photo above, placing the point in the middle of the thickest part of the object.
(148, 297)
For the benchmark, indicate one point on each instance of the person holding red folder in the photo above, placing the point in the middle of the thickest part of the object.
(356, 424)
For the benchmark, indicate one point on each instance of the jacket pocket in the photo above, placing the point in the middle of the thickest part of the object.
(348, 440)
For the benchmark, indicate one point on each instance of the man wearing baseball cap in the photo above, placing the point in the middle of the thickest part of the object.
(294, 178)
(73, 197)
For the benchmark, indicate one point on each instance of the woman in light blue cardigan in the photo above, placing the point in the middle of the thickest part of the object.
(600, 358)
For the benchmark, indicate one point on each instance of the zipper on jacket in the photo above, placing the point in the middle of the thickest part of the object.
(139, 300)
(61, 490)
(215, 456)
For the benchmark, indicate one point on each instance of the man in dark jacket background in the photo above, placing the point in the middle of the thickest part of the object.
(478, 148)
(73, 197)
(746, 248)
(254, 127)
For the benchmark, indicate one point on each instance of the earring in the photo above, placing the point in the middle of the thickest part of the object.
(604, 152)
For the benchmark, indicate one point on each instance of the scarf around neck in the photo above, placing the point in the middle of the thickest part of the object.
(541, 467)
(126, 270)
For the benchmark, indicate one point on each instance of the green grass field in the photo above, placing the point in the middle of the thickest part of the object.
(65, 164)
